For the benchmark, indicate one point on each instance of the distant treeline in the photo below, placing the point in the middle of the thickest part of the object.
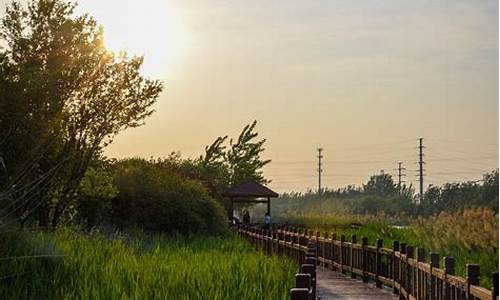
(382, 194)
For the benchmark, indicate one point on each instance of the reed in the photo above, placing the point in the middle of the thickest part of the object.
(138, 266)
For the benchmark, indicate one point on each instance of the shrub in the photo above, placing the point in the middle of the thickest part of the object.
(160, 200)
(94, 196)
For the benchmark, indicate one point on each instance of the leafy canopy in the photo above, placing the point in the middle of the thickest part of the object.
(63, 98)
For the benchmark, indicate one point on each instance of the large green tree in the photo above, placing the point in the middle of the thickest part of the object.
(381, 185)
(63, 97)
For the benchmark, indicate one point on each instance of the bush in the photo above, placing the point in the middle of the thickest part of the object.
(159, 200)
(94, 197)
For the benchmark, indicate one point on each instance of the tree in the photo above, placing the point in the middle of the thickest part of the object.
(490, 190)
(381, 185)
(94, 196)
(222, 165)
(63, 98)
(432, 200)
(244, 158)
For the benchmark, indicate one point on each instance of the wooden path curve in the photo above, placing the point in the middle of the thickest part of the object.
(335, 285)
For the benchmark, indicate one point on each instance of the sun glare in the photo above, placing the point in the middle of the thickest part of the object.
(152, 28)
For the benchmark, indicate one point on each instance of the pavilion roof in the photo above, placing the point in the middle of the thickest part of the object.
(250, 189)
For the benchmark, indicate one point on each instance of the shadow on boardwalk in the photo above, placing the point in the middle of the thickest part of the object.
(335, 285)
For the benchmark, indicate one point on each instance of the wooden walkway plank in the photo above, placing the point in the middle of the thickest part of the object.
(335, 285)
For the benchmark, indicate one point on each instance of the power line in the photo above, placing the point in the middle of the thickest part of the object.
(463, 142)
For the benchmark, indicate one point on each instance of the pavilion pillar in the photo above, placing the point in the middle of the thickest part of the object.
(269, 205)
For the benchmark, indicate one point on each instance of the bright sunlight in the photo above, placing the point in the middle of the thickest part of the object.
(153, 29)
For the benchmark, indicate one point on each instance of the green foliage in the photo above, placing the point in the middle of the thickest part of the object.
(244, 158)
(139, 266)
(221, 166)
(152, 196)
(380, 185)
(94, 196)
(242, 161)
(460, 195)
(63, 98)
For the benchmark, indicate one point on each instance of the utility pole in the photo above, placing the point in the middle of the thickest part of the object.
(400, 174)
(320, 170)
(421, 169)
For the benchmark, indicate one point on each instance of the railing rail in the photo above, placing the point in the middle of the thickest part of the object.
(408, 271)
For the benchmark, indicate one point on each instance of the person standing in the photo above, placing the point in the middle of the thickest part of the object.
(267, 221)
(246, 217)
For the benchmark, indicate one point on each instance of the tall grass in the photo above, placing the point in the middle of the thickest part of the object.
(139, 267)
(470, 236)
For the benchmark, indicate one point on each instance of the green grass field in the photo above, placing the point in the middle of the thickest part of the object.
(138, 266)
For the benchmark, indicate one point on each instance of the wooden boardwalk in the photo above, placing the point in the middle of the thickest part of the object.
(335, 285)
(412, 274)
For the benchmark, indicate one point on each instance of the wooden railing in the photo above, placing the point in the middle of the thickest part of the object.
(403, 268)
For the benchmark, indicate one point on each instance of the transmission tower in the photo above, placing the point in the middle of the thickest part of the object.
(320, 170)
(421, 169)
(400, 174)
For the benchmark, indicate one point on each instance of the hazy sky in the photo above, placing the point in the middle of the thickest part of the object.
(363, 79)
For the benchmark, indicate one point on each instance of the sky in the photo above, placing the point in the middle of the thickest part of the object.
(362, 79)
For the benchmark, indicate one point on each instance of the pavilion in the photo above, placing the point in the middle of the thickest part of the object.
(250, 192)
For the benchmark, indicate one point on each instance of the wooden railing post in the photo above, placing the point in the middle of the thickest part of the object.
(262, 237)
(472, 273)
(402, 268)
(449, 269)
(324, 249)
(303, 280)
(351, 260)
(310, 269)
(318, 235)
(494, 286)
(395, 267)
(433, 279)
(421, 276)
(378, 263)
(364, 243)
(342, 253)
(299, 294)
(332, 252)
(410, 254)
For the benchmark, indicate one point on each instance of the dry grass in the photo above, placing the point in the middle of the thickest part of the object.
(474, 229)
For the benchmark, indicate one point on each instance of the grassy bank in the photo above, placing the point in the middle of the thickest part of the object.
(138, 267)
(470, 236)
